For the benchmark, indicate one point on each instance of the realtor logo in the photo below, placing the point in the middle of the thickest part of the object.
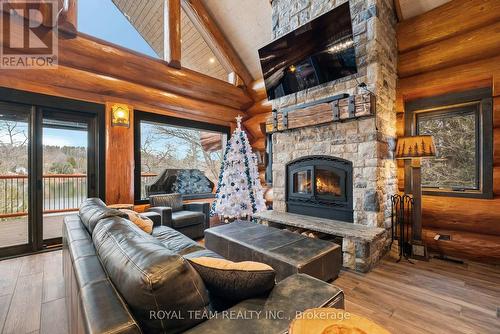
(29, 34)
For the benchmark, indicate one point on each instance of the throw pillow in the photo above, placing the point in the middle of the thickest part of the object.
(234, 280)
(173, 201)
(143, 223)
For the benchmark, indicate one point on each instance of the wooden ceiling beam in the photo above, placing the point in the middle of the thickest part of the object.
(399, 12)
(218, 42)
(257, 90)
(87, 86)
(173, 33)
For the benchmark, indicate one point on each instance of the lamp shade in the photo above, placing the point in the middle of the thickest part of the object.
(415, 147)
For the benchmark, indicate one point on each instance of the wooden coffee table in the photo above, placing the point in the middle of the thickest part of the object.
(288, 253)
(332, 320)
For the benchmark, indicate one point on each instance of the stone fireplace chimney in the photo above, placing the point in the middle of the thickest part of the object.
(367, 143)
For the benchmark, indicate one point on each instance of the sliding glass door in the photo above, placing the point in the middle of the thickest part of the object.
(68, 168)
(49, 165)
(15, 141)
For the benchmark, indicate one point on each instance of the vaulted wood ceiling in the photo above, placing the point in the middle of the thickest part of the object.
(247, 25)
(147, 16)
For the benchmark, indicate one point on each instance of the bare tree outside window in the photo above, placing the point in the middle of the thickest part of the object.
(455, 165)
(13, 144)
(170, 147)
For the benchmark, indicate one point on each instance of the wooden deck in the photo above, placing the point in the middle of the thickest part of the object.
(427, 297)
(14, 231)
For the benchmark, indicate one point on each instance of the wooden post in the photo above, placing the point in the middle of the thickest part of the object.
(417, 199)
(68, 20)
(119, 160)
(172, 26)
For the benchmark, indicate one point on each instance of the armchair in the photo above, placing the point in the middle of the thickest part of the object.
(190, 219)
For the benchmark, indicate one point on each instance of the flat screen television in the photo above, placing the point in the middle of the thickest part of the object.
(317, 52)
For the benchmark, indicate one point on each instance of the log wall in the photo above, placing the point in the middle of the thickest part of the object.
(257, 114)
(452, 48)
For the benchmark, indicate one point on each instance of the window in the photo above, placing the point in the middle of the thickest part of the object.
(136, 25)
(462, 129)
(177, 156)
(456, 136)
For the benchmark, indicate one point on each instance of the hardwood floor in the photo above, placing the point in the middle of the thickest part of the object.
(32, 295)
(427, 297)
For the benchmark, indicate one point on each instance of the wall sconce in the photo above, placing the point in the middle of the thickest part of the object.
(120, 115)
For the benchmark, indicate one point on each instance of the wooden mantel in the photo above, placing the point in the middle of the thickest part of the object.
(332, 109)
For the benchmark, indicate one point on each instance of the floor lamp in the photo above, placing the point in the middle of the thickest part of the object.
(415, 148)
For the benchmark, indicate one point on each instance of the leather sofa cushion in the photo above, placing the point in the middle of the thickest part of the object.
(180, 244)
(187, 218)
(235, 281)
(93, 210)
(173, 201)
(150, 277)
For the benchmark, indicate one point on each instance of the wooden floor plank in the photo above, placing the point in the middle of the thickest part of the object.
(32, 265)
(4, 309)
(53, 285)
(432, 296)
(25, 307)
(387, 322)
(9, 270)
(54, 320)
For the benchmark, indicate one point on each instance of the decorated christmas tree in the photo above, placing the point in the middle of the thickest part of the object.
(239, 192)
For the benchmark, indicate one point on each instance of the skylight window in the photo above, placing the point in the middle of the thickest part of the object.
(136, 25)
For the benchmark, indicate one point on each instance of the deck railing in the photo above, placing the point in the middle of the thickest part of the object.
(146, 178)
(61, 193)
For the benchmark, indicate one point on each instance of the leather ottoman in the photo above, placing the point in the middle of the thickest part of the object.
(288, 253)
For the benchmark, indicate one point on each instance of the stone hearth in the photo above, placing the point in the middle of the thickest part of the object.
(362, 246)
(369, 142)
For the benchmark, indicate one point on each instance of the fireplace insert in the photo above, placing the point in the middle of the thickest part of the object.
(320, 186)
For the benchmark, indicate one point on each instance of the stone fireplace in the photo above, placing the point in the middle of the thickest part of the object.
(363, 146)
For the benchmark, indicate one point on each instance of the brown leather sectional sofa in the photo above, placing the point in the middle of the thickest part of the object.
(120, 279)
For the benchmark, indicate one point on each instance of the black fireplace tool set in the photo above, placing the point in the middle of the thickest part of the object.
(401, 222)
